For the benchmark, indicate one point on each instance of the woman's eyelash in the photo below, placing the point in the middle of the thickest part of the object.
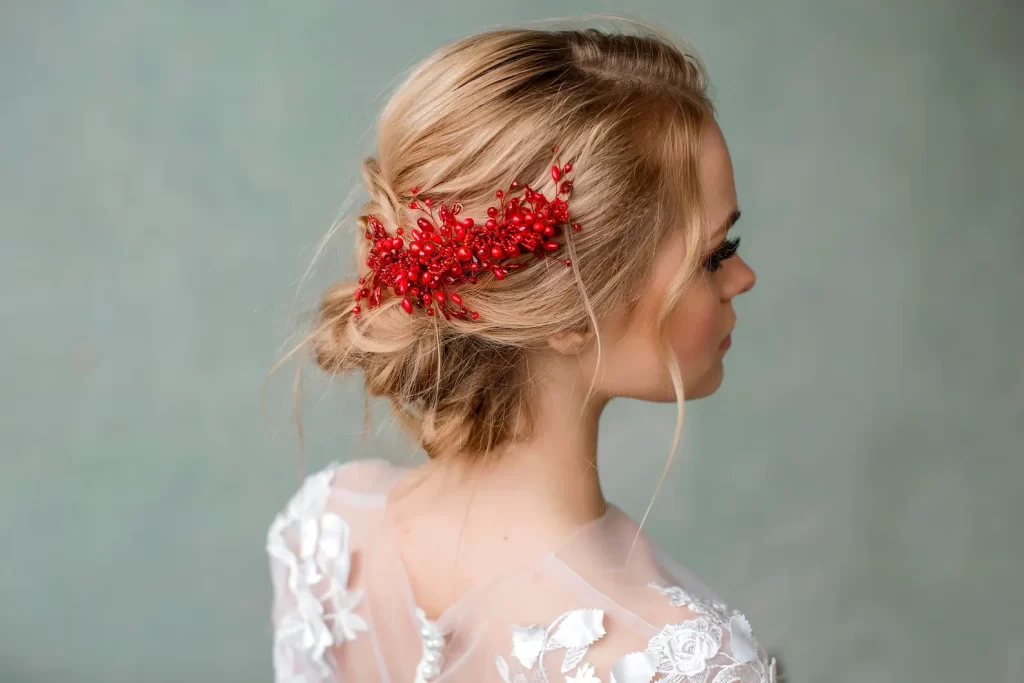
(725, 251)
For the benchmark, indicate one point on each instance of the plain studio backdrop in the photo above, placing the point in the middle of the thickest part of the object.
(166, 170)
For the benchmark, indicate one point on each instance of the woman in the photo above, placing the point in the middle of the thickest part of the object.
(546, 231)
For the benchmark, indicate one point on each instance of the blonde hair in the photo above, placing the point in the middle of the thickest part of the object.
(626, 110)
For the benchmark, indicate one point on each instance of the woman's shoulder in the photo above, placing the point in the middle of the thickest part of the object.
(635, 614)
(334, 499)
(637, 634)
(363, 483)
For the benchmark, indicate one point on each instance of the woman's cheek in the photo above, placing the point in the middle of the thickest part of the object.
(694, 328)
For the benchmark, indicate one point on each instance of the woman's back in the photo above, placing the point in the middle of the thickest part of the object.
(604, 605)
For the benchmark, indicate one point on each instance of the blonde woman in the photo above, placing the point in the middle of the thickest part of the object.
(546, 231)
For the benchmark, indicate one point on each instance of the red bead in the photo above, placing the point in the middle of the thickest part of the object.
(556, 173)
(463, 254)
(577, 227)
(548, 231)
(356, 310)
(456, 298)
(538, 227)
(551, 246)
(497, 252)
(567, 168)
(424, 225)
(429, 202)
(407, 306)
(415, 189)
(413, 205)
(475, 315)
(492, 212)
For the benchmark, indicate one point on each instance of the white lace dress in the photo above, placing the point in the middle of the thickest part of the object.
(343, 609)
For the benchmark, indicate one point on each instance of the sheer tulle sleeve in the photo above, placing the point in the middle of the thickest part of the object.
(620, 611)
(704, 643)
(313, 610)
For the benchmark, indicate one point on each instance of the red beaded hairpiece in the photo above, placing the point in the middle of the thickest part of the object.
(446, 251)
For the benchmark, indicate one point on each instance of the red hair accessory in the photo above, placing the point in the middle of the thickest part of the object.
(446, 251)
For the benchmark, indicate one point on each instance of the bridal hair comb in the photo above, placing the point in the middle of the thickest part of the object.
(444, 250)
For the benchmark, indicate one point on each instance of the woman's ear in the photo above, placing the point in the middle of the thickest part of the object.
(571, 342)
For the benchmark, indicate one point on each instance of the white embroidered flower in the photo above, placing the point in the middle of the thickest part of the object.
(744, 647)
(314, 576)
(575, 631)
(584, 674)
(680, 598)
(683, 649)
(345, 623)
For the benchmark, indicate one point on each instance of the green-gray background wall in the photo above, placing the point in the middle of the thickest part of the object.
(166, 170)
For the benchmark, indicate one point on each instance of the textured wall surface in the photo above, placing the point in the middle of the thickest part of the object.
(167, 168)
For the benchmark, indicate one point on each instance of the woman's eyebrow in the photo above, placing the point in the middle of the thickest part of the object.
(731, 220)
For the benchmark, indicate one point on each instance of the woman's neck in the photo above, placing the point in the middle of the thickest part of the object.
(544, 486)
(553, 472)
(468, 519)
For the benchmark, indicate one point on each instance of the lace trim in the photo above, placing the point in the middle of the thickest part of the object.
(320, 610)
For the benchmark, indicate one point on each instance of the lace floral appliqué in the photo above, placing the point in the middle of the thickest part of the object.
(574, 632)
(692, 651)
(318, 609)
